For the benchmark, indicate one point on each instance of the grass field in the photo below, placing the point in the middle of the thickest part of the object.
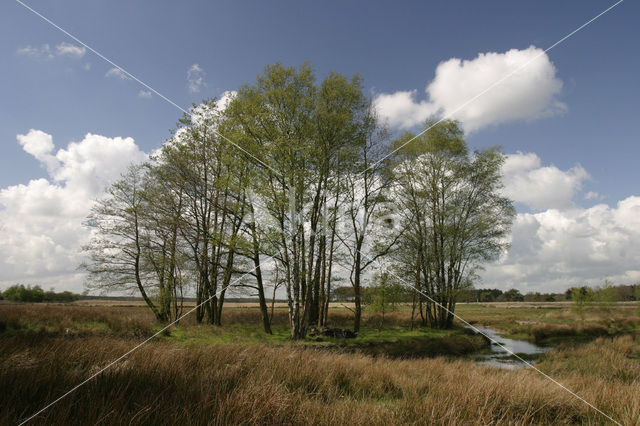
(201, 374)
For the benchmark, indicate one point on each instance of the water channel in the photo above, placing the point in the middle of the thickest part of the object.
(501, 356)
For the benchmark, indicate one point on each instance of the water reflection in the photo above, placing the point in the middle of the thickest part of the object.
(501, 355)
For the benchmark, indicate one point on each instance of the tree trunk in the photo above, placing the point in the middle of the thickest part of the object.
(356, 286)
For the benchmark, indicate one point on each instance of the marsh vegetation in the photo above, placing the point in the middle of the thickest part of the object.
(207, 374)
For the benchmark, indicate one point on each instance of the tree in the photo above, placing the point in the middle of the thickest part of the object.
(162, 246)
(343, 294)
(539, 297)
(275, 116)
(20, 293)
(384, 295)
(118, 259)
(302, 133)
(605, 295)
(581, 296)
(454, 215)
(366, 187)
(512, 295)
(211, 176)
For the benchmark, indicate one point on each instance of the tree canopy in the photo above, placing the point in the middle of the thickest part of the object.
(312, 191)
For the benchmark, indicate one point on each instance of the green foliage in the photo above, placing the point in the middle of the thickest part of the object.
(512, 295)
(602, 297)
(385, 295)
(35, 294)
(343, 294)
(452, 212)
(581, 296)
(488, 295)
(540, 297)
(20, 293)
(605, 295)
(494, 294)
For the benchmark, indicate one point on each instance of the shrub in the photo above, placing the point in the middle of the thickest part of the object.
(35, 294)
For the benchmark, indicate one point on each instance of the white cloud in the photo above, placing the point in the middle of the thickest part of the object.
(195, 78)
(541, 187)
(86, 66)
(71, 50)
(41, 232)
(117, 73)
(592, 195)
(529, 93)
(144, 94)
(224, 99)
(554, 250)
(402, 110)
(42, 52)
(40, 145)
(559, 244)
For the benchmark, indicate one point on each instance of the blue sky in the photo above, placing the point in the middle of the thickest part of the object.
(395, 46)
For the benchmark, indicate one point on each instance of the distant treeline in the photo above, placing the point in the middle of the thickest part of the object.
(619, 293)
(35, 294)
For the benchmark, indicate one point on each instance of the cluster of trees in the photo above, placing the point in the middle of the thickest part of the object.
(607, 292)
(35, 294)
(602, 297)
(295, 185)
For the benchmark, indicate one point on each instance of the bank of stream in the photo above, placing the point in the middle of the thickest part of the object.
(500, 353)
(484, 345)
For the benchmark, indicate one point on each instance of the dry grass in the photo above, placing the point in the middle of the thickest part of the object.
(64, 320)
(257, 384)
(552, 323)
(46, 350)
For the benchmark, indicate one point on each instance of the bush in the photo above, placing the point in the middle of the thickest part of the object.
(580, 296)
(512, 295)
(605, 295)
(35, 294)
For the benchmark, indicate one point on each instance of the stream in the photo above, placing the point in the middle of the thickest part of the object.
(501, 357)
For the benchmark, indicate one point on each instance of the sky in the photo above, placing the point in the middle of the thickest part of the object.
(567, 118)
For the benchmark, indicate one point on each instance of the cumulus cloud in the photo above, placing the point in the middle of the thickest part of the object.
(40, 145)
(553, 250)
(558, 244)
(68, 49)
(41, 233)
(528, 90)
(540, 187)
(402, 110)
(195, 78)
(117, 73)
(144, 94)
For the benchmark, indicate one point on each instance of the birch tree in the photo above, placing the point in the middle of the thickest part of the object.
(119, 259)
(455, 215)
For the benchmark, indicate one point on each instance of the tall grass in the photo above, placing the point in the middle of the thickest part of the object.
(256, 384)
(58, 320)
(553, 323)
(47, 350)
